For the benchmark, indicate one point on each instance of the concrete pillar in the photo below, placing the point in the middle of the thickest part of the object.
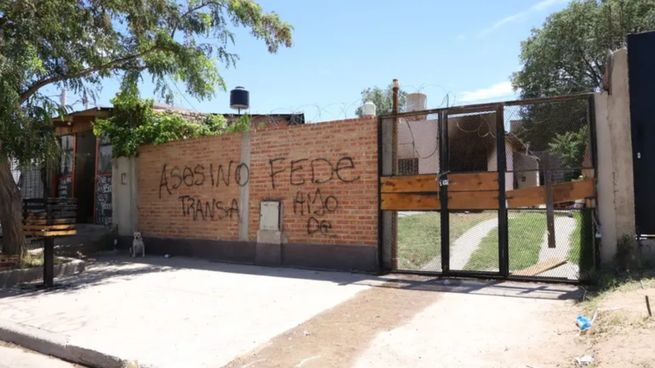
(615, 172)
(388, 217)
(244, 192)
(124, 200)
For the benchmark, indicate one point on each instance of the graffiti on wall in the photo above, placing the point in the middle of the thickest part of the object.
(308, 178)
(313, 204)
(233, 173)
(103, 200)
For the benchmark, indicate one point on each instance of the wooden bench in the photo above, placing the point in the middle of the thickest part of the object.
(48, 218)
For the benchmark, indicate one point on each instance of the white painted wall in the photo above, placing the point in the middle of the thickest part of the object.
(418, 138)
(492, 164)
(526, 170)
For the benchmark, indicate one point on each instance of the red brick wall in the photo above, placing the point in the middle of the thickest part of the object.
(324, 174)
(326, 177)
(190, 189)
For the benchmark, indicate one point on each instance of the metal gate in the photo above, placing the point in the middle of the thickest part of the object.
(491, 190)
(642, 82)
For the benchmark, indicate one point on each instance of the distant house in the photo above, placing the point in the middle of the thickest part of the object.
(472, 147)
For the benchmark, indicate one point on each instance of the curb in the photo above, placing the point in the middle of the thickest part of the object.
(14, 277)
(54, 345)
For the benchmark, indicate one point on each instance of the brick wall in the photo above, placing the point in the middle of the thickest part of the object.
(324, 174)
(326, 177)
(190, 189)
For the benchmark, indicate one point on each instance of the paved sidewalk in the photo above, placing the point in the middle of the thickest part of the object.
(174, 312)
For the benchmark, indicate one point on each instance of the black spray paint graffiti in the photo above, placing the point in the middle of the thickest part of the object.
(315, 205)
(198, 175)
(206, 210)
(234, 173)
(317, 171)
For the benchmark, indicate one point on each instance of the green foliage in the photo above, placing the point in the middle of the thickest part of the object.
(383, 99)
(75, 44)
(526, 233)
(570, 146)
(419, 236)
(543, 123)
(581, 240)
(135, 123)
(568, 53)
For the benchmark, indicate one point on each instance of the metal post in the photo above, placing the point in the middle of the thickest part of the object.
(394, 160)
(550, 210)
(591, 120)
(48, 261)
(501, 159)
(443, 192)
(48, 242)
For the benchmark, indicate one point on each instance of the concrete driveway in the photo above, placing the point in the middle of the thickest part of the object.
(175, 312)
(181, 312)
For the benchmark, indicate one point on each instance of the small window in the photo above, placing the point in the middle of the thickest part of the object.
(408, 166)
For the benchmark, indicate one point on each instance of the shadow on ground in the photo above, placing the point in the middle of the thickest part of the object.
(114, 267)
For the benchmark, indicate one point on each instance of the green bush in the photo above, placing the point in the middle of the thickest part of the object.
(134, 123)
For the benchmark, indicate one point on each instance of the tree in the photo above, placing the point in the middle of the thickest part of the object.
(383, 99)
(570, 148)
(134, 122)
(568, 53)
(48, 44)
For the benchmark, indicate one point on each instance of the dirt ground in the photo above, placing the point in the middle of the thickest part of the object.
(394, 326)
(338, 336)
(623, 334)
(433, 325)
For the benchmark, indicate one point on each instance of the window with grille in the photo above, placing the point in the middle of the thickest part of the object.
(408, 166)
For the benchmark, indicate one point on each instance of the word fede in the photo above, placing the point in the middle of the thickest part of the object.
(237, 173)
(316, 171)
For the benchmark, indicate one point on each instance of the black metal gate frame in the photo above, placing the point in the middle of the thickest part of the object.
(503, 240)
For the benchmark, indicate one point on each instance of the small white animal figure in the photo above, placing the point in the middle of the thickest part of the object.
(138, 246)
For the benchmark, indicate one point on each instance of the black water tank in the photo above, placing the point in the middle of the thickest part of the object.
(239, 98)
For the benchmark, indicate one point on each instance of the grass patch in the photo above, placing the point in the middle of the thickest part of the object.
(581, 252)
(574, 239)
(419, 236)
(526, 232)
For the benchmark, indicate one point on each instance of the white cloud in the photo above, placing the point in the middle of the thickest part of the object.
(516, 17)
(498, 90)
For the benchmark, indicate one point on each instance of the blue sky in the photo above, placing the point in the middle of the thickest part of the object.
(466, 49)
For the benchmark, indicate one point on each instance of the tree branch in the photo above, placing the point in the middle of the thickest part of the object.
(590, 68)
(189, 11)
(29, 92)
